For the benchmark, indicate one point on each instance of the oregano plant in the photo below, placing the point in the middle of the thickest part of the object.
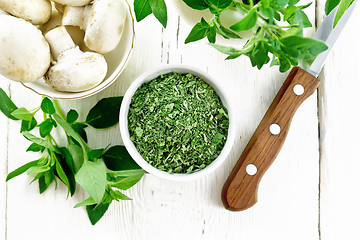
(102, 172)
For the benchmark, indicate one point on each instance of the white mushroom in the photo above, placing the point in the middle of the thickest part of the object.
(24, 52)
(34, 11)
(74, 70)
(76, 3)
(103, 23)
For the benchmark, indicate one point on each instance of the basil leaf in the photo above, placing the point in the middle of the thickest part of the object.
(80, 129)
(259, 55)
(68, 129)
(226, 33)
(45, 180)
(67, 165)
(72, 116)
(117, 158)
(45, 127)
(284, 63)
(23, 114)
(158, 8)
(127, 173)
(38, 169)
(76, 153)
(21, 170)
(198, 32)
(127, 182)
(88, 201)
(231, 51)
(343, 6)
(28, 125)
(117, 195)
(211, 35)
(246, 23)
(302, 48)
(220, 4)
(47, 106)
(95, 212)
(6, 105)
(95, 153)
(40, 141)
(330, 5)
(105, 113)
(278, 4)
(197, 4)
(61, 174)
(34, 147)
(65, 152)
(142, 9)
(92, 177)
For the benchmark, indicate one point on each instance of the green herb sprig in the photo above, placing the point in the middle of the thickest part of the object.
(276, 25)
(100, 172)
(178, 123)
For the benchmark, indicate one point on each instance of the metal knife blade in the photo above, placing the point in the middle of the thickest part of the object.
(240, 189)
(328, 35)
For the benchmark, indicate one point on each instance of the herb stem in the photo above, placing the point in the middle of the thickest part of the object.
(58, 109)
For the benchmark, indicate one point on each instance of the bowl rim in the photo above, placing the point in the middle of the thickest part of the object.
(111, 79)
(123, 122)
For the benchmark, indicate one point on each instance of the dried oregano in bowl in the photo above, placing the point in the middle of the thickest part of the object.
(178, 123)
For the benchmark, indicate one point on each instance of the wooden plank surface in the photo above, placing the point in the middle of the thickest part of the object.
(289, 205)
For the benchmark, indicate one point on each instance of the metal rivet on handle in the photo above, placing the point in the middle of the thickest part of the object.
(251, 169)
(298, 89)
(274, 129)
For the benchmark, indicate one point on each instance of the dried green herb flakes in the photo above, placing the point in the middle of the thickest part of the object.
(178, 123)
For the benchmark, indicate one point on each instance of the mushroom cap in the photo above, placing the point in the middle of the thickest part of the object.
(24, 52)
(34, 11)
(77, 71)
(105, 25)
(77, 3)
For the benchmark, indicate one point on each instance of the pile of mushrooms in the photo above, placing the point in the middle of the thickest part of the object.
(34, 45)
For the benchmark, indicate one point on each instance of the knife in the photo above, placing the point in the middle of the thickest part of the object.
(240, 189)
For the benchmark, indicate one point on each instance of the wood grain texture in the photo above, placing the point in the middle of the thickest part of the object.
(162, 210)
(240, 189)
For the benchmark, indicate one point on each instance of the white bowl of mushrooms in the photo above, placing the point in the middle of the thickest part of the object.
(65, 49)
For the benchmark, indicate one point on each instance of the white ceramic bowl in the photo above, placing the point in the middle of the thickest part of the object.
(123, 121)
(116, 60)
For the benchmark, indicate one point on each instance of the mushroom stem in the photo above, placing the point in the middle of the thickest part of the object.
(77, 16)
(59, 41)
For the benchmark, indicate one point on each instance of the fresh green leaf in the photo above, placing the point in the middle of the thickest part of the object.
(92, 177)
(231, 51)
(95, 212)
(45, 180)
(278, 4)
(211, 36)
(28, 125)
(6, 105)
(88, 201)
(248, 22)
(301, 47)
(34, 147)
(38, 169)
(127, 173)
(65, 152)
(76, 153)
(80, 129)
(127, 182)
(23, 114)
(197, 4)
(117, 195)
(45, 127)
(117, 158)
(21, 170)
(259, 55)
(40, 141)
(47, 106)
(61, 174)
(343, 6)
(330, 5)
(142, 9)
(72, 116)
(95, 153)
(198, 32)
(68, 129)
(218, 5)
(226, 33)
(105, 113)
(158, 8)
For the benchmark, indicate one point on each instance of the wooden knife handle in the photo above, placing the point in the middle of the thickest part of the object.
(240, 189)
